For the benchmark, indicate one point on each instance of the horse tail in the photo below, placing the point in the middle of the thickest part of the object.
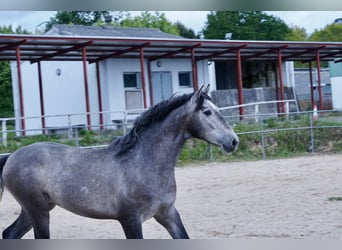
(2, 164)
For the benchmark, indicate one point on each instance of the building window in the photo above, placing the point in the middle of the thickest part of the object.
(185, 79)
(132, 80)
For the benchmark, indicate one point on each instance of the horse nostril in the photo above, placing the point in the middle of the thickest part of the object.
(235, 142)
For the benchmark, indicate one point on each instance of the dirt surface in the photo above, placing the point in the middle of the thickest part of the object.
(287, 198)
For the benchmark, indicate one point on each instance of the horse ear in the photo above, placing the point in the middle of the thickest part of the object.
(197, 95)
(206, 91)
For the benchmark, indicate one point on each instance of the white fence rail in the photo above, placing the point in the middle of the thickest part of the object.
(127, 119)
(258, 104)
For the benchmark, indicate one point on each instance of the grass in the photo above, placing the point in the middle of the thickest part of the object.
(339, 198)
(277, 143)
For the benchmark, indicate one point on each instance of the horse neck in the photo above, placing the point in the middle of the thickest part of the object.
(164, 140)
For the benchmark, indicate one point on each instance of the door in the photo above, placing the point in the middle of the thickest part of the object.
(161, 86)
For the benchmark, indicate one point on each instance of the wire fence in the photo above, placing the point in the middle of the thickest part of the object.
(261, 135)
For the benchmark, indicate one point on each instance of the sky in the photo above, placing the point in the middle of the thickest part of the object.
(310, 20)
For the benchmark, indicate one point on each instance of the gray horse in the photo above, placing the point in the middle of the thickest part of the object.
(131, 180)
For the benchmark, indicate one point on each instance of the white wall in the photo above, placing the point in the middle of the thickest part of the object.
(175, 66)
(288, 74)
(65, 93)
(336, 89)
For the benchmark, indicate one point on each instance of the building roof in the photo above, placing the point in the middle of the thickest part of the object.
(108, 31)
(67, 43)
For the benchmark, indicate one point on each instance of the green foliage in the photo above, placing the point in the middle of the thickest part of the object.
(244, 25)
(6, 103)
(297, 34)
(338, 198)
(330, 33)
(149, 20)
(186, 32)
(75, 17)
(278, 141)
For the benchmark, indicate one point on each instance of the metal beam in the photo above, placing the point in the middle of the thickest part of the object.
(325, 56)
(319, 80)
(86, 89)
(281, 82)
(21, 93)
(240, 84)
(41, 98)
(304, 52)
(221, 52)
(142, 69)
(62, 51)
(194, 70)
(264, 52)
(149, 70)
(119, 53)
(153, 58)
(99, 94)
(12, 45)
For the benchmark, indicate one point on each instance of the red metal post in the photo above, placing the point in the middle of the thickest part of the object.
(99, 94)
(311, 86)
(21, 98)
(142, 69)
(150, 82)
(240, 83)
(276, 86)
(281, 83)
(86, 89)
(41, 97)
(194, 69)
(319, 80)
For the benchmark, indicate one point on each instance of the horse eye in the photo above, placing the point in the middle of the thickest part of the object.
(207, 112)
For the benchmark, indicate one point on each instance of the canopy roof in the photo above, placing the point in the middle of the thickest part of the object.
(69, 48)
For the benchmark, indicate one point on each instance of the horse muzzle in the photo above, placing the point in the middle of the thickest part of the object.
(230, 145)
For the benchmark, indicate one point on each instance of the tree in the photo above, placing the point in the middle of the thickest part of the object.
(6, 97)
(330, 33)
(76, 17)
(186, 32)
(148, 20)
(244, 25)
(297, 34)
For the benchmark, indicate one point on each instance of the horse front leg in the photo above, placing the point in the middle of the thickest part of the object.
(132, 228)
(171, 220)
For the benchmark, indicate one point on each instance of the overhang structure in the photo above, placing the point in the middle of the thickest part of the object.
(96, 49)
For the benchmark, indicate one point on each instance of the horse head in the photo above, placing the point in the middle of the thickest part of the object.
(207, 123)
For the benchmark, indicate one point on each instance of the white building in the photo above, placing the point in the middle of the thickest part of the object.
(121, 83)
(336, 84)
(105, 71)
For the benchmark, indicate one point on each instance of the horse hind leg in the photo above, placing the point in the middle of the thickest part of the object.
(37, 212)
(171, 220)
(18, 228)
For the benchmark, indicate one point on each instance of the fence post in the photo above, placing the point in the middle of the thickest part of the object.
(4, 132)
(256, 112)
(262, 139)
(69, 128)
(312, 147)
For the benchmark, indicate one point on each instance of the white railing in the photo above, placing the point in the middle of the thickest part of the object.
(257, 104)
(125, 119)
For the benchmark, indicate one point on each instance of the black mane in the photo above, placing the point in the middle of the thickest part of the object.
(158, 112)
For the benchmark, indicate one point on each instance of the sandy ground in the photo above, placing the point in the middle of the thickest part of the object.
(286, 198)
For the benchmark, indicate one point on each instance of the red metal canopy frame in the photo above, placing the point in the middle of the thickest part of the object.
(95, 49)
